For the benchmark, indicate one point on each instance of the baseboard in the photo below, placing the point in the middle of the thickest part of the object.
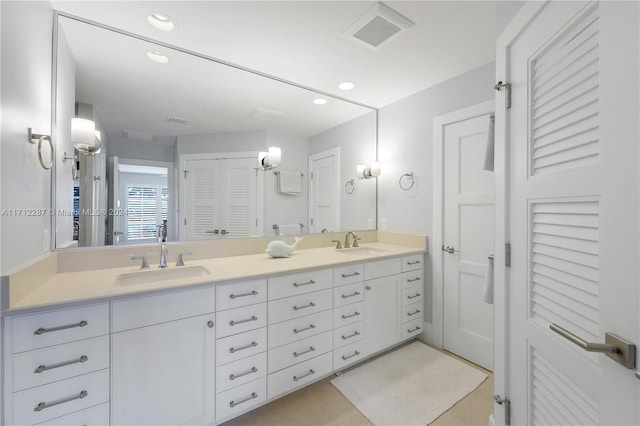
(427, 334)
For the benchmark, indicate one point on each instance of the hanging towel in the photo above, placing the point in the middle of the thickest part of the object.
(488, 156)
(487, 291)
(290, 229)
(289, 183)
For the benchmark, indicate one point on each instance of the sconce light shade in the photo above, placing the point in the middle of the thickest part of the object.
(84, 136)
(364, 172)
(270, 160)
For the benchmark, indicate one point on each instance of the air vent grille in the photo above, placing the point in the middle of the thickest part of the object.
(378, 26)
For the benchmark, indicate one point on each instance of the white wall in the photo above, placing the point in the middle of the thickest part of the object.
(505, 11)
(26, 31)
(222, 142)
(140, 150)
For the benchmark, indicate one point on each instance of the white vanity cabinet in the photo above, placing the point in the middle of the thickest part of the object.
(412, 295)
(348, 315)
(163, 359)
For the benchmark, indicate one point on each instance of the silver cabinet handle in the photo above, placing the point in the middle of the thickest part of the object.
(311, 371)
(311, 327)
(43, 330)
(355, 293)
(253, 318)
(450, 249)
(307, 283)
(409, 330)
(245, 399)
(215, 231)
(355, 274)
(237, 376)
(356, 353)
(355, 333)
(251, 293)
(417, 262)
(409, 280)
(41, 406)
(417, 311)
(414, 296)
(355, 314)
(252, 344)
(310, 305)
(43, 367)
(297, 354)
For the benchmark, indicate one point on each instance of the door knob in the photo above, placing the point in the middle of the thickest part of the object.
(450, 249)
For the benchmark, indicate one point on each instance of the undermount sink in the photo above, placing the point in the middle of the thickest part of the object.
(360, 251)
(161, 275)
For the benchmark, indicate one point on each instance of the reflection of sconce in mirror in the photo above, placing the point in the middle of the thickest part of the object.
(84, 136)
(364, 172)
(270, 160)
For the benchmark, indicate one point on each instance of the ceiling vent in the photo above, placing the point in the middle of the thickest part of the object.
(139, 136)
(378, 26)
(265, 114)
(176, 120)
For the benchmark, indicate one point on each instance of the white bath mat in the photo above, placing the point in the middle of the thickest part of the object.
(413, 385)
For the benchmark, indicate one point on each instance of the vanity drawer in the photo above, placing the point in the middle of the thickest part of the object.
(239, 320)
(148, 310)
(299, 375)
(412, 262)
(348, 334)
(240, 346)
(42, 366)
(299, 351)
(294, 284)
(412, 312)
(234, 295)
(412, 295)
(382, 268)
(94, 416)
(56, 327)
(79, 392)
(240, 372)
(347, 355)
(412, 328)
(413, 278)
(348, 274)
(347, 294)
(298, 306)
(348, 314)
(240, 399)
(299, 328)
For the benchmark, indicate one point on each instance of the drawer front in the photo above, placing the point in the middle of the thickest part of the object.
(298, 306)
(240, 346)
(348, 274)
(413, 278)
(299, 375)
(412, 328)
(382, 268)
(347, 294)
(412, 262)
(294, 284)
(234, 295)
(42, 366)
(347, 355)
(299, 351)
(148, 310)
(239, 320)
(412, 295)
(299, 328)
(94, 416)
(240, 399)
(57, 327)
(95, 387)
(348, 314)
(348, 334)
(412, 312)
(240, 372)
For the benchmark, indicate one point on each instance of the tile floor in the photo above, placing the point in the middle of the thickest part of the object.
(321, 404)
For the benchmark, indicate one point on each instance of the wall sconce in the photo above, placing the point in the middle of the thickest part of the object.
(270, 160)
(84, 136)
(364, 172)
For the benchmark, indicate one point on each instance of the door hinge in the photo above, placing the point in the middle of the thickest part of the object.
(507, 254)
(185, 221)
(185, 173)
(311, 221)
(507, 92)
(311, 174)
(507, 407)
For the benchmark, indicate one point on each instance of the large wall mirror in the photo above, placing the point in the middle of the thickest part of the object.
(151, 140)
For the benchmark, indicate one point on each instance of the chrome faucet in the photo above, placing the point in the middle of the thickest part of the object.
(355, 240)
(162, 238)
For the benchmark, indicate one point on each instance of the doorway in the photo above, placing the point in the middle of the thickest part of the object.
(324, 191)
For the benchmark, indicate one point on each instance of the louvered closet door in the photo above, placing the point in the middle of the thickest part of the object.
(573, 212)
(239, 215)
(202, 186)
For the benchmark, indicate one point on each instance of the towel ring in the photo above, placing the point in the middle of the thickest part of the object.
(350, 186)
(406, 177)
(36, 138)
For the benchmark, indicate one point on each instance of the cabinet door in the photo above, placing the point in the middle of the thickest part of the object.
(382, 313)
(164, 374)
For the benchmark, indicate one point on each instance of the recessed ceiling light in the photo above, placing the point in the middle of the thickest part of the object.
(319, 101)
(161, 21)
(346, 85)
(157, 57)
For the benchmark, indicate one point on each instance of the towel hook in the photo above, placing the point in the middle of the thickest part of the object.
(405, 178)
(35, 138)
(350, 186)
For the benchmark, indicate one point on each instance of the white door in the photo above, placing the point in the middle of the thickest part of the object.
(468, 229)
(572, 210)
(324, 191)
(118, 222)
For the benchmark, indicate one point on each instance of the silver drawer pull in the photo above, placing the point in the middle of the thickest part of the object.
(356, 353)
(409, 280)
(41, 406)
(251, 293)
(415, 329)
(355, 293)
(355, 274)
(414, 296)
(43, 330)
(245, 399)
(237, 376)
(43, 367)
(253, 318)
(311, 327)
(417, 311)
(310, 305)
(311, 371)
(416, 262)
(355, 333)
(250, 345)
(297, 354)
(355, 314)
(307, 283)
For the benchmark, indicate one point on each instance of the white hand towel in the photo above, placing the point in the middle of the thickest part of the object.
(487, 291)
(289, 229)
(289, 183)
(488, 158)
